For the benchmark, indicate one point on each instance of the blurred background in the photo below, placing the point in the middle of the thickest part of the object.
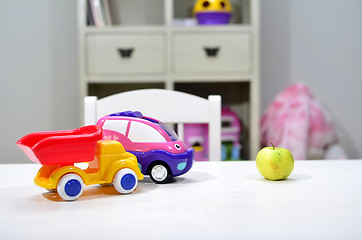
(317, 42)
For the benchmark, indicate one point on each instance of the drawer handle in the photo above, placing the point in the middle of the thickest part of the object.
(211, 52)
(125, 52)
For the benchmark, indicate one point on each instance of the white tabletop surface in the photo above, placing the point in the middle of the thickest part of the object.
(217, 200)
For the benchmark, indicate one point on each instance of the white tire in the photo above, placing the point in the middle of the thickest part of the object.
(70, 187)
(160, 173)
(125, 181)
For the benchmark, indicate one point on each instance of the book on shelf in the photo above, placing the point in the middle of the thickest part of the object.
(99, 14)
(107, 12)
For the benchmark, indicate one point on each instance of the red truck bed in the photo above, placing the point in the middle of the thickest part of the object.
(62, 147)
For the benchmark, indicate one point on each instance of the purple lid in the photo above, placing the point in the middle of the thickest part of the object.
(213, 18)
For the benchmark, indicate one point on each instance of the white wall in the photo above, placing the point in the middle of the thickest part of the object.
(314, 41)
(274, 48)
(318, 42)
(38, 70)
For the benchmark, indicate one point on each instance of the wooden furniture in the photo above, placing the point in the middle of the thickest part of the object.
(167, 106)
(215, 200)
(147, 47)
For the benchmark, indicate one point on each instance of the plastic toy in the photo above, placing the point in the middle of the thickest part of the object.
(160, 153)
(57, 151)
(196, 136)
(212, 12)
(230, 135)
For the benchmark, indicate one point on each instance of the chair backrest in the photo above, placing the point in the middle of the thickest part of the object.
(165, 105)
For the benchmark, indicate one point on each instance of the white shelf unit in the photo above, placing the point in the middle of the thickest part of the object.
(167, 55)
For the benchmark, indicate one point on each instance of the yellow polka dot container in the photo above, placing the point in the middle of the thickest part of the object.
(212, 12)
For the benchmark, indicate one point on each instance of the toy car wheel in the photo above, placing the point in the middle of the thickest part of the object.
(70, 187)
(125, 181)
(160, 173)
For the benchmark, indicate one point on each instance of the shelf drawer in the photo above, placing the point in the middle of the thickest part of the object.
(126, 54)
(212, 53)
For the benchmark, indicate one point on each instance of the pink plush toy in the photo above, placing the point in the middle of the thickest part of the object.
(297, 121)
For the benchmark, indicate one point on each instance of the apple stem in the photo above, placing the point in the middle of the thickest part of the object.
(272, 145)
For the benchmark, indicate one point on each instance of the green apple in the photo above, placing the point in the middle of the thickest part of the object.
(275, 163)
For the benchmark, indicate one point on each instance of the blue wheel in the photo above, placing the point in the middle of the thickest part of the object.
(125, 181)
(70, 187)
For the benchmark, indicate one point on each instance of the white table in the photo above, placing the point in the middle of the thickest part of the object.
(218, 200)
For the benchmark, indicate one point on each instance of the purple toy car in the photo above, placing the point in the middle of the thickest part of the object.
(160, 153)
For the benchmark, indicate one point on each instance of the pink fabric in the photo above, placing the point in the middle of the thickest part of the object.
(297, 121)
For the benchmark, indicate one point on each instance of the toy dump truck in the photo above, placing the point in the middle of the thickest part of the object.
(58, 151)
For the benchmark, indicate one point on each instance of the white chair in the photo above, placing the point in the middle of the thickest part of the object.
(165, 105)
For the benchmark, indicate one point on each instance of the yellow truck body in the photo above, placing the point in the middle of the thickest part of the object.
(110, 157)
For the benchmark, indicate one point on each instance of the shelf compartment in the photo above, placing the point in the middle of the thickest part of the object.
(236, 95)
(104, 90)
(183, 13)
(129, 13)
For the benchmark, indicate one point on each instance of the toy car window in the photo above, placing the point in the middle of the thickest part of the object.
(141, 132)
(116, 125)
(171, 133)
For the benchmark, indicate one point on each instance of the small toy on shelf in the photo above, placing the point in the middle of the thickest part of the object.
(57, 151)
(230, 135)
(212, 12)
(196, 136)
(160, 153)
